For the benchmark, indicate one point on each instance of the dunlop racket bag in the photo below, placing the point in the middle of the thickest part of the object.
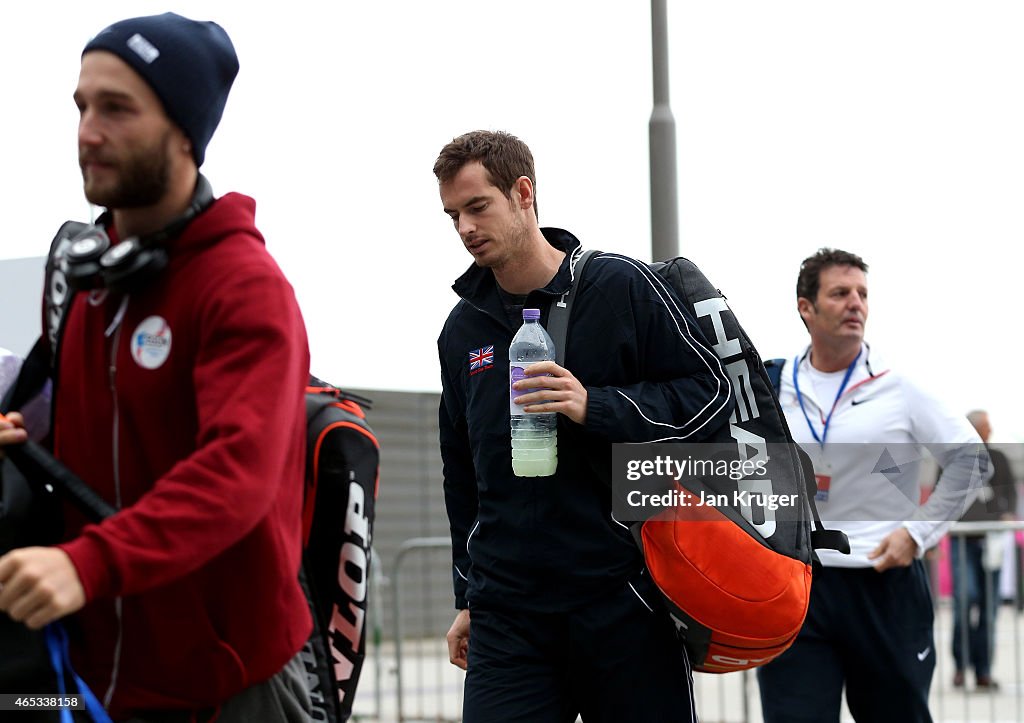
(342, 478)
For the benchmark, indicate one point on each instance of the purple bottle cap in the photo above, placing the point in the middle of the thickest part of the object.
(531, 314)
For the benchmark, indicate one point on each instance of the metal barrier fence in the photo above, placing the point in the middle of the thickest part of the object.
(438, 682)
(426, 687)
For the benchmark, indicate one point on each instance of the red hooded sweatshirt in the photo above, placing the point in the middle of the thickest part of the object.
(182, 404)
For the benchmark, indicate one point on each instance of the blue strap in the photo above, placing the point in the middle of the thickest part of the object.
(796, 385)
(60, 658)
(774, 369)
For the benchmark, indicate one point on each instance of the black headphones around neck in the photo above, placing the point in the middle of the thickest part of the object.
(91, 262)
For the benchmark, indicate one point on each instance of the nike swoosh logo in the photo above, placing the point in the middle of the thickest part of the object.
(855, 402)
(924, 654)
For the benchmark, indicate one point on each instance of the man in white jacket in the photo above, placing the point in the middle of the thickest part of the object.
(870, 620)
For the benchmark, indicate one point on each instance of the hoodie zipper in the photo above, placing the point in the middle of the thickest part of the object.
(114, 331)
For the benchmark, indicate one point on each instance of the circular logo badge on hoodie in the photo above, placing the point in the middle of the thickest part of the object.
(151, 342)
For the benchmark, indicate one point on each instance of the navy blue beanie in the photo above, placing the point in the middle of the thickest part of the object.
(190, 65)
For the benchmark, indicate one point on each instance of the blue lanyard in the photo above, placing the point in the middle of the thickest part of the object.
(57, 643)
(842, 387)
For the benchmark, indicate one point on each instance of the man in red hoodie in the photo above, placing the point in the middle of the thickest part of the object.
(181, 371)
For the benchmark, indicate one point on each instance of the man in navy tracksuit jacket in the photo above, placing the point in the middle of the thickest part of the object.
(564, 618)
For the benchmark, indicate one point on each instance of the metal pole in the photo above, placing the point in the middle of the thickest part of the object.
(376, 578)
(396, 599)
(746, 696)
(664, 193)
(963, 613)
(987, 604)
(1016, 627)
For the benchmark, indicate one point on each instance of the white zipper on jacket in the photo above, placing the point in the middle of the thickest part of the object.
(114, 330)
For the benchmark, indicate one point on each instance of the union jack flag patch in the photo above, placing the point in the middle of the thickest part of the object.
(481, 359)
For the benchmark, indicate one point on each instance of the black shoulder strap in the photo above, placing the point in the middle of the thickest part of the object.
(38, 366)
(558, 315)
(57, 294)
(821, 537)
(33, 460)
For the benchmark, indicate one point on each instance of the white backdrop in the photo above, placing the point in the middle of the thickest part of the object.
(892, 129)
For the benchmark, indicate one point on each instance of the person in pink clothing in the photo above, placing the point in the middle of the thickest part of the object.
(180, 399)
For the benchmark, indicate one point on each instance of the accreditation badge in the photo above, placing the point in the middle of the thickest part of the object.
(822, 479)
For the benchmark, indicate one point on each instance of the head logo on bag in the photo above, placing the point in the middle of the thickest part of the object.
(735, 576)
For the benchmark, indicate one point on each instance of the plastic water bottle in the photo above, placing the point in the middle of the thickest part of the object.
(534, 436)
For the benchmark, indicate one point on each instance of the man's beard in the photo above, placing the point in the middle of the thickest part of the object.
(144, 177)
(514, 237)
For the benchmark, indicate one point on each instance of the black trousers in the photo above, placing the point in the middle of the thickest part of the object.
(872, 632)
(615, 660)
